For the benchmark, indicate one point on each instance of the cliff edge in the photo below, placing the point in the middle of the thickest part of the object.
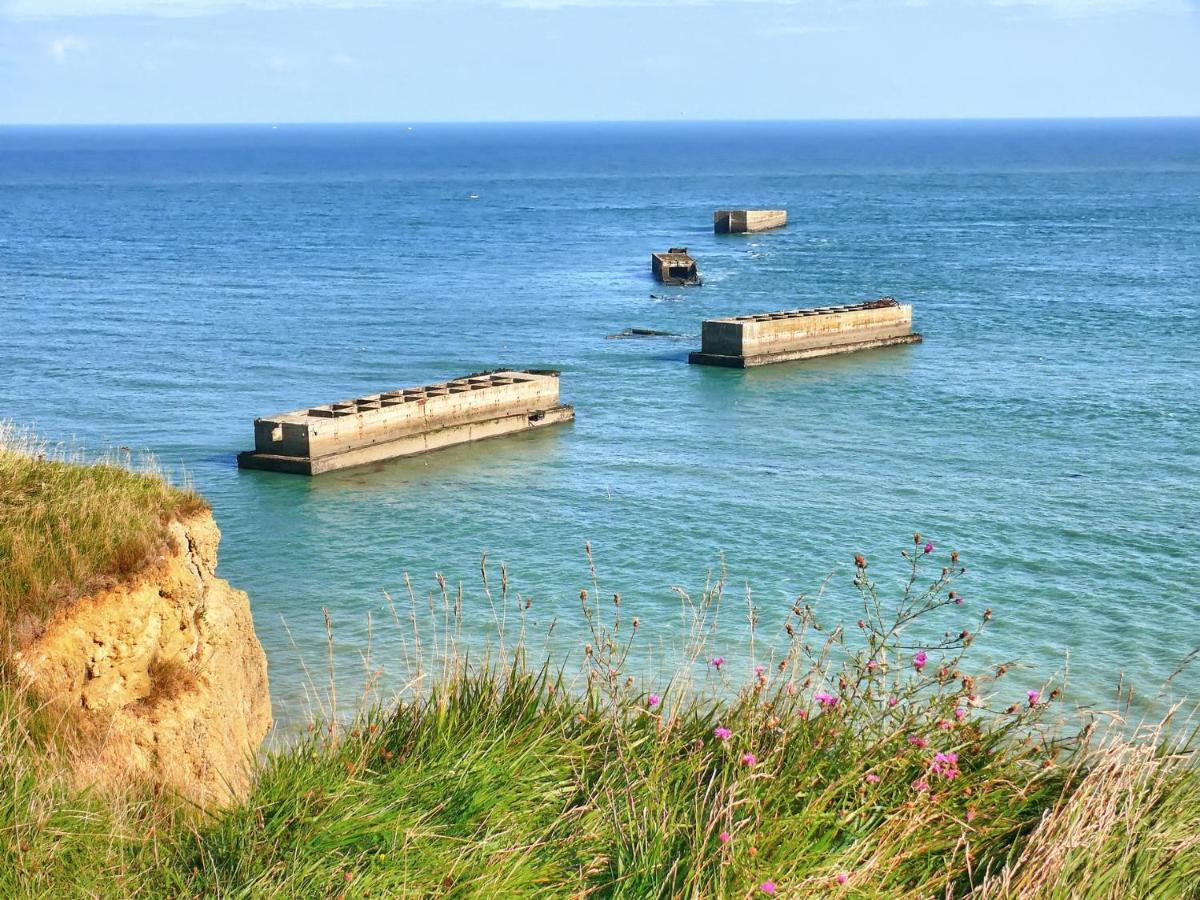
(165, 671)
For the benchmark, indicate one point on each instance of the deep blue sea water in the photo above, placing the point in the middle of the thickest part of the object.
(161, 287)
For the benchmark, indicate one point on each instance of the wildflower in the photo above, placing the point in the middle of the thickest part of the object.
(872, 778)
(958, 601)
(716, 662)
(917, 538)
(960, 713)
(945, 765)
(860, 561)
(862, 623)
(842, 878)
(945, 724)
(790, 687)
(970, 815)
(826, 699)
(892, 701)
(653, 700)
(1033, 696)
(872, 664)
(768, 887)
(928, 547)
(917, 741)
(953, 556)
(760, 671)
(921, 786)
(803, 714)
(722, 733)
(725, 837)
(583, 594)
(749, 759)
(920, 659)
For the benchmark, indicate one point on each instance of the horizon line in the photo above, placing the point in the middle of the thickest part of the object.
(469, 122)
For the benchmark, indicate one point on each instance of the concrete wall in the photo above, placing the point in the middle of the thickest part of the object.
(379, 418)
(750, 336)
(740, 221)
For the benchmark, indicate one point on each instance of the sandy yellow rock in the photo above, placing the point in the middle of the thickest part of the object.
(101, 655)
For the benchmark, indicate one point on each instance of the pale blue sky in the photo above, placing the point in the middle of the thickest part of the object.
(144, 61)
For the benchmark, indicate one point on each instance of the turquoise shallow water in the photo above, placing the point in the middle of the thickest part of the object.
(159, 288)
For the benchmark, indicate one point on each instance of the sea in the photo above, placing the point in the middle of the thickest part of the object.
(160, 287)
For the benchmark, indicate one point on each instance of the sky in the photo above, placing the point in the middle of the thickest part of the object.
(267, 61)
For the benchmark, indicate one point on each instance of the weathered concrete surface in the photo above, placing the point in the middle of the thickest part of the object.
(675, 266)
(106, 654)
(743, 341)
(742, 221)
(405, 422)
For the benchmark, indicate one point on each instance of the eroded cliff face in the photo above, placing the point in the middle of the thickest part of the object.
(165, 671)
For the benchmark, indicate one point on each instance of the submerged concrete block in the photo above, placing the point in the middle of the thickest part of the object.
(405, 422)
(741, 221)
(743, 341)
(676, 266)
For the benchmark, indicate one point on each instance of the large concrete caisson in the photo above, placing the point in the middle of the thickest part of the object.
(405, 422)
(742, 221)
(744, 341)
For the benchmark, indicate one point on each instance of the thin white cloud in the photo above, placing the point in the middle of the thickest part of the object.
(63, 46)
(1084, 8)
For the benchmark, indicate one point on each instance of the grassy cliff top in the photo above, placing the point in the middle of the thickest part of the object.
(67, 528)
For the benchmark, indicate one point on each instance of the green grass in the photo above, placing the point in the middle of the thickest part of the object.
(66, 528)
(519, 776)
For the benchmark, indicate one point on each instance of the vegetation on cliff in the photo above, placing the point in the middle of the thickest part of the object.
(67, 529)
(865, 761)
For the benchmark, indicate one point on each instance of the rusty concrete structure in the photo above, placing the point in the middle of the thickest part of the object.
(743, 221)
(405, 422)
(755, 340)
(675, 266)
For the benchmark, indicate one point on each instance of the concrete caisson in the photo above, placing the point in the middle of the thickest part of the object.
(405, 422)
(743, 221)
(755, 340)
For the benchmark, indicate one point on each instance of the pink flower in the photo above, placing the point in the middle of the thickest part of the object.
(716, 662)
(1033, 696)
(892, 701)
(921, 786)
(945, 765)
(919, 660)
(721, 733)
(960, 713)
(872, 664)
(842, 878)
(760, 671)
(725, 837)
(653, 700)
(917, 741)
(803, 714)
(749, 759)
(768, 887)
(928, 547)
(826, 699)
(945, 724)
(790, 688)
(872, 778)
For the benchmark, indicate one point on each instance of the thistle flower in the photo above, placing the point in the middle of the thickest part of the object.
(749, 759)
(725, 837)
(826, 699)
(1034, 697)
(716, 662)
(872, 778)
(721, 733)
(760, 671)
(919, 660)
(860, 561)
(768, 887)
(917, 741)
(842, 878)
(653, 700)
(960, 713)
(928, 547)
